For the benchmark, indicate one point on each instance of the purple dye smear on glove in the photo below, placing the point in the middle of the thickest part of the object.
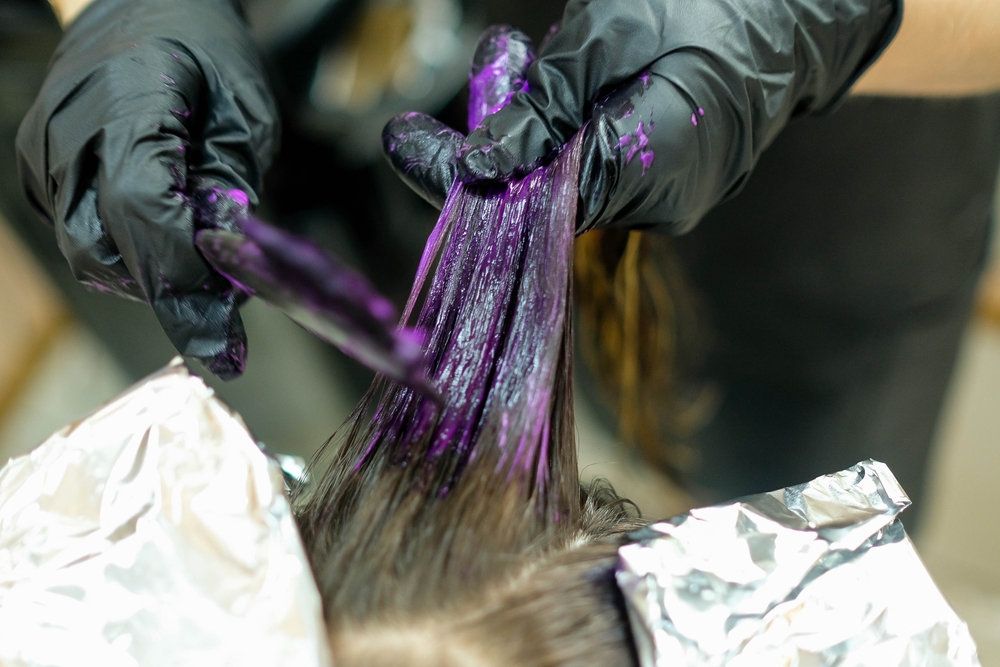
(499, 347)
(498, 71)
(313, 288)
(640, 147)
(637, 141)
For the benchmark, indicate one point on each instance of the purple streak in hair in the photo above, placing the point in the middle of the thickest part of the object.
(496, 312)
(492, 292)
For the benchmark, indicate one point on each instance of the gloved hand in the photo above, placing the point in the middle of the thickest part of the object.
(154, 121)
(422, 150)
(681, 98)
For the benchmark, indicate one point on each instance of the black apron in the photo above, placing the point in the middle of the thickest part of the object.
(838, 283)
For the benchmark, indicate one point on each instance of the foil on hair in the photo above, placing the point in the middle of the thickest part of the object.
(816, 574)
(154, 532)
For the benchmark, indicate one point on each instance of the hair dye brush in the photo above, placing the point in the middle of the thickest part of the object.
(316, 290)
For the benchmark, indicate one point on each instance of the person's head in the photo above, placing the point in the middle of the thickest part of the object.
(481, 575)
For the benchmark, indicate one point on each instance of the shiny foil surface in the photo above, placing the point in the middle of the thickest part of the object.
(154, 532)
(812, 575)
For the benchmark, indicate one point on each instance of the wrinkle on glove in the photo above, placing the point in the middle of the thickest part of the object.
(697, 91)
(154, 121)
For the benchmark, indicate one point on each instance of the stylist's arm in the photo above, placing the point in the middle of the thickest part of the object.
(154, 121)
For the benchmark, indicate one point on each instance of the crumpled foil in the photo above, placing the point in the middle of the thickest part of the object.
(812, 575)
(154, 532)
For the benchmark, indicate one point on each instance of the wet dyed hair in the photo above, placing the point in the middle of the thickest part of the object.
(454, 530)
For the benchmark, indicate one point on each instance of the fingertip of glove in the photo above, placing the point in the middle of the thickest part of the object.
(484, 159)
(413, 128)
(422, 151)
(230, 363)
(478, 165)
(503, 40)
(206, 326)
(394, 133)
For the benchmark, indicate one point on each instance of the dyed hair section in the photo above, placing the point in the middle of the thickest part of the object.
(455, 531)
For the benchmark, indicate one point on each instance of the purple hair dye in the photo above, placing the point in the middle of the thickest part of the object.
(496, 312)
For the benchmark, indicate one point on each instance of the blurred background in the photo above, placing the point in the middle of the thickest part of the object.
(65, 351)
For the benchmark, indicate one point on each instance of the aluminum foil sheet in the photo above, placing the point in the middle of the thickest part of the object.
(154, 532)
(819, 574)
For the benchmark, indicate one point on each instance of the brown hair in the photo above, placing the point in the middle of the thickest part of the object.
(479, 576)
(642, 338)
(423, 562)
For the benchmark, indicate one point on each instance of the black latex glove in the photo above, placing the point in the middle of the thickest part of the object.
(681, 97)
(154, 121)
